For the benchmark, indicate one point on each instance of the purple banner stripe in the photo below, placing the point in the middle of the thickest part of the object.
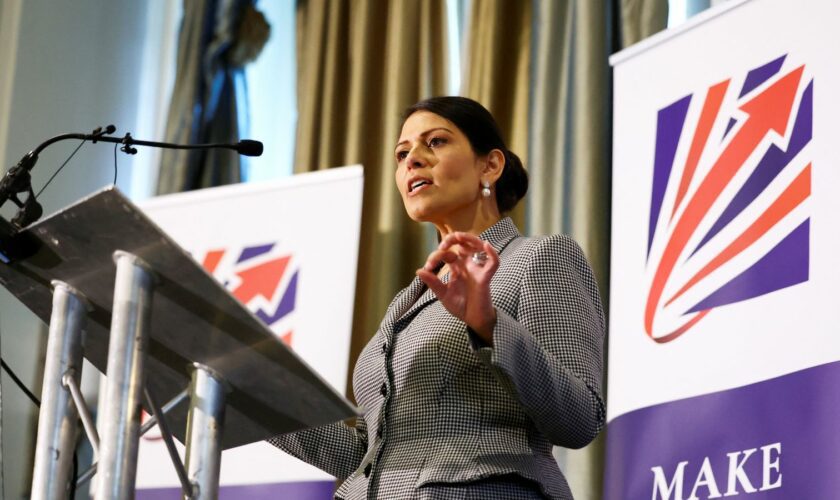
(761, 74)
(286, 305)
(732, 122)
(779, 437)
(784, 265)
(251, 252)
(669, 126)
(302, 490)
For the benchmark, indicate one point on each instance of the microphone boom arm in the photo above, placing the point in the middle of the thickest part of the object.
(19, 180)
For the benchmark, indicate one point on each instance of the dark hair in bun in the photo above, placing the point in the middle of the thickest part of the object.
(481, 130)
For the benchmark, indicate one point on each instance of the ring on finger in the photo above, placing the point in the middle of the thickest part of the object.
(479, 258)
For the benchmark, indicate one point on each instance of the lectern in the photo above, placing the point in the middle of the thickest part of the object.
(118, 291)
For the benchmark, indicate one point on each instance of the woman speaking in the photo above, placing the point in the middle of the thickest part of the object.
(489, 357)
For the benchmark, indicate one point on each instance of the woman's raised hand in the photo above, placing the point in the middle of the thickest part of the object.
(472, 263)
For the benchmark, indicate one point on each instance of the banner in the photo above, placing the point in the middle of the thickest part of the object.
(287, 250)
(724, 354)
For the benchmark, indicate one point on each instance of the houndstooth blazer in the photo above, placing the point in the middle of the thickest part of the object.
(448, 417)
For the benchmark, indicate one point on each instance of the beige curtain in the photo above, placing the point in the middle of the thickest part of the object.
(570, 161)
(217, 38)
(498, 65)
(642, 18)
(360, 64)
(570, 147)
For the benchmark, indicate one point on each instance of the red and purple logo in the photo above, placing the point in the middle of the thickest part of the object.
(263, 280)
(260, 277)
(728, 221)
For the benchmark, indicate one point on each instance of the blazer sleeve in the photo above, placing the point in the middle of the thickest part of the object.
(550, 355)
(336, 448)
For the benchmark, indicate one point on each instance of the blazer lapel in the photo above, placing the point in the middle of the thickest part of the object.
(401, 304)
(500, 234)
(426, 297)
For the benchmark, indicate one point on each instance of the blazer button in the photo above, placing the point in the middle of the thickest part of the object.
(383, 390)
(367, 470)
(384, 348)
(379, 432)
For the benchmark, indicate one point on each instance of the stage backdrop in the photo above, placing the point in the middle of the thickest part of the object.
(724, 309)
(287, 250)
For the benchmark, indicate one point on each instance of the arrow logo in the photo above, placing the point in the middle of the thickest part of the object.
(768, 114)
(261, 280)
(275, 280)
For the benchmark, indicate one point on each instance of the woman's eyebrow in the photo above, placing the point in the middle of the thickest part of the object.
(424, 134)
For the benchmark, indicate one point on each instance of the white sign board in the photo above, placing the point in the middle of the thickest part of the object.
(287, 250)
(723, 307)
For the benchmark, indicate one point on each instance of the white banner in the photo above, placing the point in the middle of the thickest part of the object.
(287, 250)
(723, 311)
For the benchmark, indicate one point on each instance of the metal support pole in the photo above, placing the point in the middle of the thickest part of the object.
(186, 488)
(146, 427)
(81, 406)
(204, 431)
(57, 427)
(125, 377)
(172, 403)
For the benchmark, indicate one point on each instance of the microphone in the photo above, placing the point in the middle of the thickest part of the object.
(110, 129)
(247, 147)
(18, 179)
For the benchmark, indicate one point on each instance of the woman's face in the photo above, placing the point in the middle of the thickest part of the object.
(438, 173)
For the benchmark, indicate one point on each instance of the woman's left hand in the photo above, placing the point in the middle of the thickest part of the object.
(467, 293)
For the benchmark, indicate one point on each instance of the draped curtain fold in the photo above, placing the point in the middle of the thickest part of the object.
(570, 155)
(570, 146)
(642, 18)
(498, 66)
(204, 106)
(360, 64)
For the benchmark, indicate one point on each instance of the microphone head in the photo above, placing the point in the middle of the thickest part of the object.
(110, 129)
(248, 147)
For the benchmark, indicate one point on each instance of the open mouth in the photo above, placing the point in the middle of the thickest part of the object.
(418, 184)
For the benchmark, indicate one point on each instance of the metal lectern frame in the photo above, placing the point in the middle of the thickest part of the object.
(118, 291)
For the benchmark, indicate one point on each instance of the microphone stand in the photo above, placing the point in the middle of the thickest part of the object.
(19, 180)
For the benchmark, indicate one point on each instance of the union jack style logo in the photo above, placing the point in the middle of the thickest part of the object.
(262, 279)
(728, 219)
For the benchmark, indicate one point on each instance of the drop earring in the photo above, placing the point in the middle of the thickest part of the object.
(485, 191)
